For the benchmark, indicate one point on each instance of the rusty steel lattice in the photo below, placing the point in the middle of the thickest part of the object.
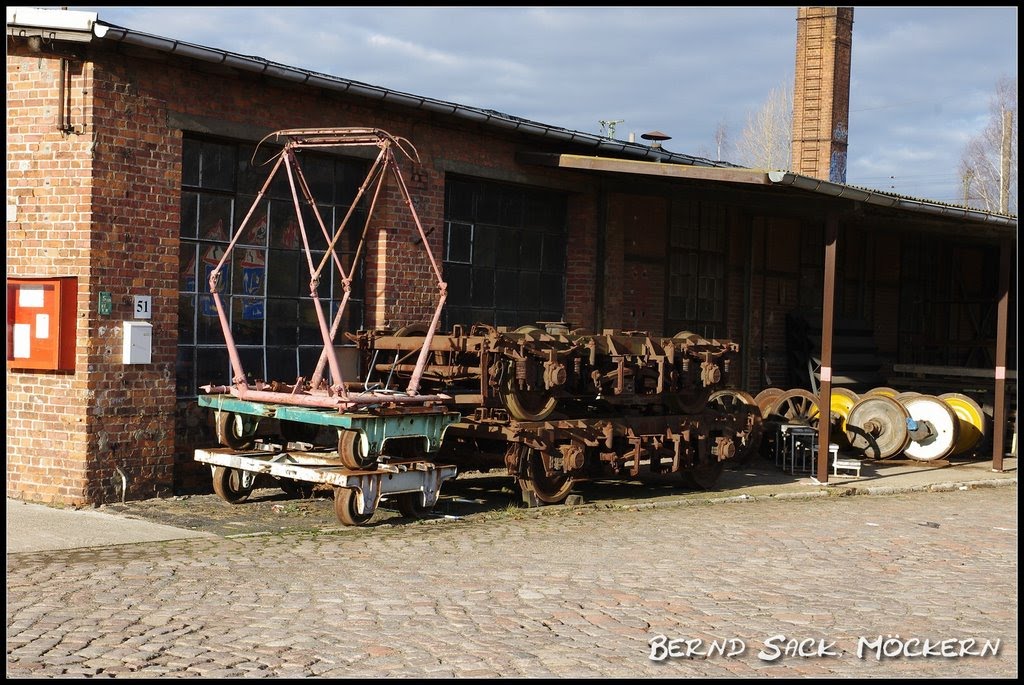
(317, 391)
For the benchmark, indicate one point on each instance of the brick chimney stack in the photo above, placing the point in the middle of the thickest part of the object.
(821, 95)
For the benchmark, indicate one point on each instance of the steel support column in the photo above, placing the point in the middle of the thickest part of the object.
(999, 403)
(827, 315)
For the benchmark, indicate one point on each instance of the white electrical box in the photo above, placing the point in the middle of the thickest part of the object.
(138, 342)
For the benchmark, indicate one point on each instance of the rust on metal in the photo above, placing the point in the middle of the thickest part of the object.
(318, 391)
(555, 406)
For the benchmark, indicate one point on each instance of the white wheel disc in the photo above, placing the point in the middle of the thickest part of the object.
(944, 428)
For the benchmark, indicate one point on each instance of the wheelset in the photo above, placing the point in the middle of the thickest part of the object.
(548, 488)
(934, 428)
(971, 419)
(795, 407)
(877, 427)
(738, 402)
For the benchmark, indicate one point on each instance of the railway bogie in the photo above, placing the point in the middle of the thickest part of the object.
(555, 406)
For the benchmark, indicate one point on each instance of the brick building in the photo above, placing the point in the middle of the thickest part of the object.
(130, 157)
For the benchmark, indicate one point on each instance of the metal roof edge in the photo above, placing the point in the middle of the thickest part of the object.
(883, 199)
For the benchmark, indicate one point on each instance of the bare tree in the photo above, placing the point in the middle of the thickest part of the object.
(721, 139)
(719, 146)
(988, 164)
(767, 139)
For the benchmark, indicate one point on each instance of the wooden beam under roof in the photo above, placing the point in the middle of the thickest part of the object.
(631, 166)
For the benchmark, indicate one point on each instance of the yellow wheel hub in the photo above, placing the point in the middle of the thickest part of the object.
(971, 418)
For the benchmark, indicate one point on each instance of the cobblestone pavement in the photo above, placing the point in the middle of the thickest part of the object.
(562, 592)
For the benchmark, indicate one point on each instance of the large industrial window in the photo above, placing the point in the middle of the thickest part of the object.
(265, 287)
(504, 254)
(696, 290)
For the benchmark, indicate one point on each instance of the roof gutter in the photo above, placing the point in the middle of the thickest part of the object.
(881, 199)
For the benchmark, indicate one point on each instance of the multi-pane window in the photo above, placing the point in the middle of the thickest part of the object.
(696, 292)
(504, 254)
(265, 285)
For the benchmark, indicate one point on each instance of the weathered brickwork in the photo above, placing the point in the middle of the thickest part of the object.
(581, 263)
(48, 421)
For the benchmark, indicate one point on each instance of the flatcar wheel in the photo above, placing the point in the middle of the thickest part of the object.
(729, 401)
(972, 420)
(943, 428)
(703, 476)
(411, 505)
(236, 431)
(796, 406)
(353, 450)
(877, 427)
(738, 402)
(553, 489)
(345, 507)
(766, 398)
(526, 405)
(233, 485)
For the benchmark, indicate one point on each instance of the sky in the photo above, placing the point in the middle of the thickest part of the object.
(922, 83)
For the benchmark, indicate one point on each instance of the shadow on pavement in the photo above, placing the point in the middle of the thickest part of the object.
(269, 510)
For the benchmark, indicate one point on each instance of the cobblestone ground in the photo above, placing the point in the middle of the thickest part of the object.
(579, 593)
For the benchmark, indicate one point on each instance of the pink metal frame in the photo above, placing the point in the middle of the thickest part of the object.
(317, 392)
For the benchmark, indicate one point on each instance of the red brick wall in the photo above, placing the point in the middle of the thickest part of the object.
(48, 420)
(613, 281)
(135, 224)
(581, 262)
(404, 283)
